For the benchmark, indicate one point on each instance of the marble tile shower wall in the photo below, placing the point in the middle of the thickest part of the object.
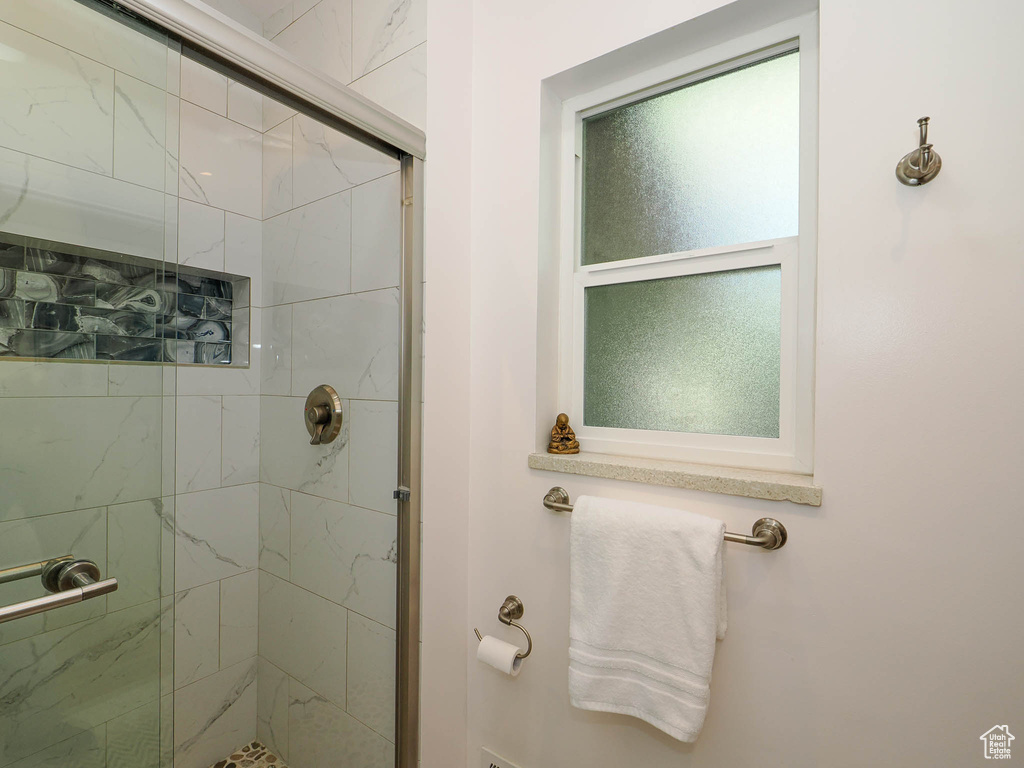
(166, 161)
(162, 465)
(82, 685)
(376, 47)
(326, 302)
(217, 430)
(328, 546)
(331, 246)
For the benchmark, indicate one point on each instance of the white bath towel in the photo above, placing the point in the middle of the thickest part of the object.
(647, 604)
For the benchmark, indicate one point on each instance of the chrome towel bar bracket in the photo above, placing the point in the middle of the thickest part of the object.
(768, 533)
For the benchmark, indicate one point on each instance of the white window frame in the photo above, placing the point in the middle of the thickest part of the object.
(792, 451)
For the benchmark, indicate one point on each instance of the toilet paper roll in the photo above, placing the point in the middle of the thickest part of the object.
(500, 655)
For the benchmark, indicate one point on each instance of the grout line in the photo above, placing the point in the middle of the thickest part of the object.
(106, 547)
(54, 43)
(84, 170)
(113, 127)
(293, 21)
(227, 85)
(96, 396)
(283, 120)
(348, 480)
(84, 509)
(348, 656)
(371, 728)
(329, 194)
(224, 249)
(299, 397)
(351, 227)
(381, 66)
(331, 296)
(215, 581)
(209, 490)
(214, 207)
(218, 114)
(333, 602)
(258, 657)
(220, 625)
(291, 166)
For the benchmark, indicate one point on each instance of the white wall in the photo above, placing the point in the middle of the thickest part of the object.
(888, 630)
(446, 441)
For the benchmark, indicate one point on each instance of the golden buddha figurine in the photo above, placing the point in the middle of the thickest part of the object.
(563, 439)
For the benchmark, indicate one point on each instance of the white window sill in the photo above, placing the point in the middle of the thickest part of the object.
(753, 483)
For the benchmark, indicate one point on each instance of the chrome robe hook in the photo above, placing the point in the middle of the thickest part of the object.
(511, 610)
(923, 164)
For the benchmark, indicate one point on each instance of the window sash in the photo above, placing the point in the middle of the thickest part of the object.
(793, 450)
(688, 446)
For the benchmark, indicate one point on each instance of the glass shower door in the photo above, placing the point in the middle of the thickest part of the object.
(329, 551)
(182, 261)
(85, 184)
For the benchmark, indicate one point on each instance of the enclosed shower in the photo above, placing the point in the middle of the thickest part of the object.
(210, 352)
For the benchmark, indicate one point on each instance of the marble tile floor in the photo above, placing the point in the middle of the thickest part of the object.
(252, 755)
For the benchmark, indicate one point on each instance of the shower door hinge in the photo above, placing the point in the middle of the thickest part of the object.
(402, 493)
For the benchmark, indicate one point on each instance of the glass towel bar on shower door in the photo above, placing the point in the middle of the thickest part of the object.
(71, 581)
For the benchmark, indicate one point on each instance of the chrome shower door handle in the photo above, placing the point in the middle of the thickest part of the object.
(71, 581)
(28, 570)
(58, 600)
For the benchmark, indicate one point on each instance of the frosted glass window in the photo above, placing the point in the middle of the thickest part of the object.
(713, 163)
(694, 353)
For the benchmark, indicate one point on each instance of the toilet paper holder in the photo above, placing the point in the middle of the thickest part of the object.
(511, 610)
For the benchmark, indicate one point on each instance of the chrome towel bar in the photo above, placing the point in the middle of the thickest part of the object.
(768, 532)
(71, 581)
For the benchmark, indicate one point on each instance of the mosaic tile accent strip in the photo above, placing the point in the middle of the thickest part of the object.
(68, 302)
(253, 755)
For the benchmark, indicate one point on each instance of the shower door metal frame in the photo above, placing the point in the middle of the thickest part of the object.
(242, 49)
(221, 43)
(410, 412)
